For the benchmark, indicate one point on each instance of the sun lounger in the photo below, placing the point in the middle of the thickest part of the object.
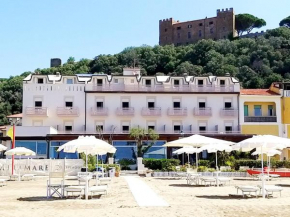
(223, 180)
(208, 180)
(28, 177)
(270, 189)
(14, 177)
(274, 175)
(98, 190)
(3, 182)
(104, 181)
(74, 189)
(248, 189)
(193, 178)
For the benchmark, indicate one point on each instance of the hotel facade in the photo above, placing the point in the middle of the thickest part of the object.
(57, 109)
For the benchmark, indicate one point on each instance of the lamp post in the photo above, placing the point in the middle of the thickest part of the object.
(13, 123)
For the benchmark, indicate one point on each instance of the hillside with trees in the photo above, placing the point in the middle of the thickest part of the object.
(255, 62)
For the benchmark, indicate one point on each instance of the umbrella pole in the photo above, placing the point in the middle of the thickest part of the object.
(216, 162)
(269, 166)
(87, 181)
(102, 166)
(196, 159)
(263, 180)
(19, 169)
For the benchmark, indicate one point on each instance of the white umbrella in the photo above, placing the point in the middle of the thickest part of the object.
(196, 141)
(264, 142)
(20, 151)
(88, 145)
(214, 148)
(187, 149)
(2, 147)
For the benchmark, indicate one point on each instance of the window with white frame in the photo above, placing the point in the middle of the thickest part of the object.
(68, 126)
(99, 126)
(38, 102)
(125, 102)
(228, 127)
(151, 103)
(202, 127)
(151, 125)
(125, 126)
(177, 126)
(100, 103)
(40, 80)
(228, 103)
(68, 102)
(69, 81)
(201, 103)
(176, 103)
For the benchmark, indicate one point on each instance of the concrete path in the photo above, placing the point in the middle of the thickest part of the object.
(143, 194)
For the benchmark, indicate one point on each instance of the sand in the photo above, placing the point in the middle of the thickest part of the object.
(28, 198)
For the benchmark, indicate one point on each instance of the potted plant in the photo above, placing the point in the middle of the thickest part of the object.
(117, 170)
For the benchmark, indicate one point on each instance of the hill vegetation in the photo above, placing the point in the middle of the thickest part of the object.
(255, 62)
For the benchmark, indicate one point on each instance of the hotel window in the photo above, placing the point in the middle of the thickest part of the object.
(199, 33)
(257, 110)
(151, 104)
(202, 128)
(246, 110)
(176, 128)
(222, 82)
(37, 103)
(68, 128)
(99, 82)
(201, 103)
(176, 82)
(69, 81)
(40, 80)
(228, 129)
(125, 128)
(148, 82)
(100, 104)
(151, 125)
(189, 26)
(200, 82)
(176, 103)
(178, 28)
(125, 103)
(189, 35)
(99, 126)
(228, 105)
(68, 104)
(270, 110)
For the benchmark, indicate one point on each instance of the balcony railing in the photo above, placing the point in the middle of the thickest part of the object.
(160, 88)
(177, 111)
(99, 111)
(229, 112)
(67, 111)
(36, 111)
(260, 119)
(151, 111)
(202, 111)
(125, 111)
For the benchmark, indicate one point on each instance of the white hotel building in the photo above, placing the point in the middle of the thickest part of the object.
(59, 108)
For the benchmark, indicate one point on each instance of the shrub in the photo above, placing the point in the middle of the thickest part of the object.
(211, 170)
(161, 164)
(202, 169)
(205, 163)
(125, 162)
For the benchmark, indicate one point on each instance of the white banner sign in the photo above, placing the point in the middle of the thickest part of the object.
(41, 166)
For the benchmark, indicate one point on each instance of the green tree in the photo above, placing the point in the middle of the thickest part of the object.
(285, 22)
(247, 22)
(70, 60)
(144, 139)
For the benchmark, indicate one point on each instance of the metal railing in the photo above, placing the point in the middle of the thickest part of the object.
(229, 112)
(99, 111)
(202, 111)
(260, 119)
(36, 111)
(177, 111)
(151, 111)
(67, 111)
(125, 111)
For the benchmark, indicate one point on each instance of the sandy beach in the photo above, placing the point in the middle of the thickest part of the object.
(28, 198)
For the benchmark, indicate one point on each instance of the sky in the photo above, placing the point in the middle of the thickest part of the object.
(34, 31)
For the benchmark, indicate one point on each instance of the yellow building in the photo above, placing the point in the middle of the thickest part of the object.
(260, 113)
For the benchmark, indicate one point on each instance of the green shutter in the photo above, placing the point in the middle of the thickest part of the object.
(246, 110)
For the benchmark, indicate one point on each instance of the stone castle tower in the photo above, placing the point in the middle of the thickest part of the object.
(182, 33)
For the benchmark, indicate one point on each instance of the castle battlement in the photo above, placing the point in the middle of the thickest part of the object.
(225, 10)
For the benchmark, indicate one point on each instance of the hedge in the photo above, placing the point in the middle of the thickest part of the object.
(161, 164)
(258, 163)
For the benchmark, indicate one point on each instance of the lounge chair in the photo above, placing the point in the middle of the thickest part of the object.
(208, 180)
(28, 177)
(53, 187)
(192, 176)
(14, 177)
(104, 181)
(248, 189)
(223, 180)
(73, 189)
(270, 189)
(98, 190)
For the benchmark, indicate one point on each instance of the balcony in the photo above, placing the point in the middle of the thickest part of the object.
(260, 119)
(205, 112)
(99, 111)
(67, 111)
(151, 111)
(177, 111)
(36, 111)
(125, 111)
(229, 112)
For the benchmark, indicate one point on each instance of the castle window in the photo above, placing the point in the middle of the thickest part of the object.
(189, 35)
(178, 35)
(165, 30)
(200, 24)
(189, 26)
(178, 28)
(166, 38)
(211, 30)
(211, 22)
(199, 33)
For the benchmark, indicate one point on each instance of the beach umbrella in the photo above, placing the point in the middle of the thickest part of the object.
(2, 147)
(20, 151)
(264, 142)
(187, 150)
(87, 145)
(196, 141)
(214, 148)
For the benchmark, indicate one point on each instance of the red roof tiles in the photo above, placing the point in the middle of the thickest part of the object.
(265, 92)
